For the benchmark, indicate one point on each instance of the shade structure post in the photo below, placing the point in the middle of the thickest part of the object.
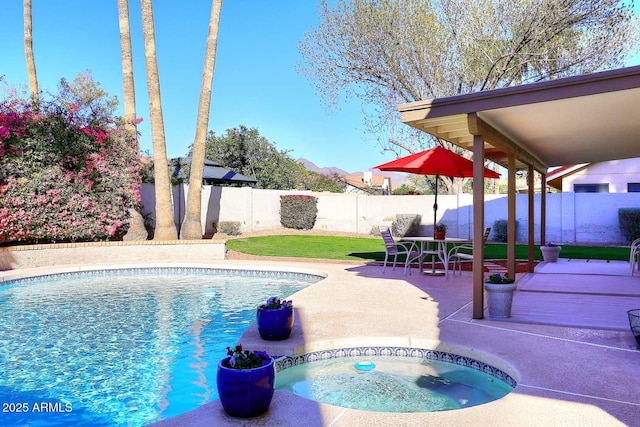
(478, 227)
(531, 217)
(435, 208)
(511, 216)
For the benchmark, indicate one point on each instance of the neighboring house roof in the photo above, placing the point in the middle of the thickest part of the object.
(555, 177)
(214, 173)
(357, 180)
(367, 182)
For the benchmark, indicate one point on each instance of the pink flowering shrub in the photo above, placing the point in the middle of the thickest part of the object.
(64, 177)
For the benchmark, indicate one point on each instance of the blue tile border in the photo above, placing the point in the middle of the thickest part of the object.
(129, 271)
(285, 362)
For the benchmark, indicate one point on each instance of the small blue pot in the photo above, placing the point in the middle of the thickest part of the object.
(275, 325)
(245, 393)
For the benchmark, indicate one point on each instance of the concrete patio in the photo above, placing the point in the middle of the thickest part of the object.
(567, 344)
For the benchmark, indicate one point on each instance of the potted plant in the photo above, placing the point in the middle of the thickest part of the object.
(275, 319)
(634, 323)
(440, 231)
(245, 382)
(499, 290)
(550, 252)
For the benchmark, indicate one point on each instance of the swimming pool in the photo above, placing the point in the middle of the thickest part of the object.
(123, 347)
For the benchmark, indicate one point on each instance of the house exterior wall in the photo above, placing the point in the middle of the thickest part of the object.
(616, 173)
(571, 217)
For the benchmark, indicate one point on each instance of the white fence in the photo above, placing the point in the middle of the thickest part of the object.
(571, 217)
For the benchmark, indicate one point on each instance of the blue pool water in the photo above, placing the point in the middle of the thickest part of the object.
(120, 347)
(392, 384)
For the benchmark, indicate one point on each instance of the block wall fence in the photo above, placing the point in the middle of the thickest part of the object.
(571, 217)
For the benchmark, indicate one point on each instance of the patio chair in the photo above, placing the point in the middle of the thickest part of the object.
(393, 248)
(634, 256)
(464, 253)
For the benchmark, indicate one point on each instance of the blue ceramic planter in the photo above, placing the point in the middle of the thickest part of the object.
(245, 393)
(275, 325)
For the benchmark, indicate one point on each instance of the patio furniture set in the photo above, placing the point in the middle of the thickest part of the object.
(418, 248)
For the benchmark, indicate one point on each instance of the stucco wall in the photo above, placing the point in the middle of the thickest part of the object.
(616, 173)
(571, 217)
(110, 253)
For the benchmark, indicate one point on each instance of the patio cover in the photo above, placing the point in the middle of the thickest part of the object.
(581, 119)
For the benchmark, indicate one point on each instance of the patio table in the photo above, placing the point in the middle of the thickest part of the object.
(435, 247)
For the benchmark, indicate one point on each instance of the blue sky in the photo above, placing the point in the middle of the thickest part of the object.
(255, 83)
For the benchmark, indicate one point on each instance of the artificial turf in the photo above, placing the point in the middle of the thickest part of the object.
(364, 248)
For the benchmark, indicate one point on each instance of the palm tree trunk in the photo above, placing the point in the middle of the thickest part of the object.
(127, 69)
(165, 226)
(28, 50)
(192, 225)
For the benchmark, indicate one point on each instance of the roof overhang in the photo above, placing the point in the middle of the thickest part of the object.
(581, 119)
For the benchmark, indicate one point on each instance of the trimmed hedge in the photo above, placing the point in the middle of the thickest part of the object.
(629, 219)
(298, 211)
(406, 225)
(230, 228)
(500, 230)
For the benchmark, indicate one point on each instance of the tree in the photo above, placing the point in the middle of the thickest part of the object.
(243, 150)
(28, 49)
(389, 52)
(192, 225)
(315, 181)
(165, 226)
(405, 189)
(89, 100)
(128, 87)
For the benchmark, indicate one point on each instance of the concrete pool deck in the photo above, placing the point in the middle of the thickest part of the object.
(568, 343)
(568, 371)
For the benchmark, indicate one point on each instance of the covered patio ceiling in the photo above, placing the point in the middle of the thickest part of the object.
(582, 119)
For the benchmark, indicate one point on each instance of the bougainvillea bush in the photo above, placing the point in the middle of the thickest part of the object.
(65, 175)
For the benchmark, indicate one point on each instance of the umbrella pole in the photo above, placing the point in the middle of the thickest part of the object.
(435, 207)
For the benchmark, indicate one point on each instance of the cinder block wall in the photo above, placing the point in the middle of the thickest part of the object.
(571, 217)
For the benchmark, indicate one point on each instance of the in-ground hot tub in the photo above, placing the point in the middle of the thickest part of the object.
(392, 379)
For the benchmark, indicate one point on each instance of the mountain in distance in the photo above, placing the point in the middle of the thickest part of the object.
(397, 179)
(309, 165)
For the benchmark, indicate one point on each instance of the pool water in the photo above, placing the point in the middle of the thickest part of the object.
(391, 384)
(118, 348)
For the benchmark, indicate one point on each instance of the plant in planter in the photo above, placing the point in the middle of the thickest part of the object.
(499, 290)
(245, 382)
(275, 319)
(440, 231)
(550, 252)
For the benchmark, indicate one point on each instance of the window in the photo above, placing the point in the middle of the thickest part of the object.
(633, 187)
(590, 188)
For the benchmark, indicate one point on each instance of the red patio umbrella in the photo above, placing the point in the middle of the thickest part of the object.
(435, 161)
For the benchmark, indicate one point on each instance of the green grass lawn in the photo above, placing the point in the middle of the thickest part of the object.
(362, 248)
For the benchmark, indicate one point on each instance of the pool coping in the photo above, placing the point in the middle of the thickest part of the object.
(286, 362)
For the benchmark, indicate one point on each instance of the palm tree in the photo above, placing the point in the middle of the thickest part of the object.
(28, 50)
(165, 226)
(192, 225)
(127, 68)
